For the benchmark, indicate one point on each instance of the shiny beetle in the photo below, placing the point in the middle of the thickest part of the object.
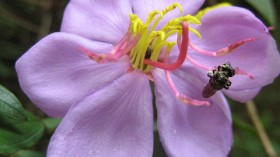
(219, 79)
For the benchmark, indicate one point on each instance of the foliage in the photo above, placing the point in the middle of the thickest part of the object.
(20, 129)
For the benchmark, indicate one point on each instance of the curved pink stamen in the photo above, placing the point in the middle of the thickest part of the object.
(182, 97)
(91, 55)
(194, 62)
(222, 51)
(183, 52)
(121, 43)
(130, 45)
(241, 72)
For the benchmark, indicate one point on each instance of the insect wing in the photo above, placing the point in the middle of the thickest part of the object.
(208, 91)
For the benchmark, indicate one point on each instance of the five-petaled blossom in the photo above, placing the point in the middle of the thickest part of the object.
(96, 74)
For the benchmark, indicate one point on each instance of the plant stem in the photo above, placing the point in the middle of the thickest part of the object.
(252, 111)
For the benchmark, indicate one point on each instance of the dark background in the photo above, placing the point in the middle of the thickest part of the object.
(24, 22)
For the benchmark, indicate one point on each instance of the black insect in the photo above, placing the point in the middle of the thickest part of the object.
(219, 79)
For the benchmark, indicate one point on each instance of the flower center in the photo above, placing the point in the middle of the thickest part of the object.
(148, 42)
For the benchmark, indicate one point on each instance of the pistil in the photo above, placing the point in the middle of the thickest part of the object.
(181, 58)
(222, 51)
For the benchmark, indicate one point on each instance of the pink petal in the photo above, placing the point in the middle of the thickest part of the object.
(224, 26)
(55, 73)
(114, 121)
(192, 131)
(143, 7)
(101, 20)
(242, 96)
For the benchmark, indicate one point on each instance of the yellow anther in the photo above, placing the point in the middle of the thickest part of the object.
(174, 27)
(156, 51)
(172, 7)
(153, 40)
(204, 11)
(165, 11)
(192, 19)
(135, 26)
(170, 46)
(174, 21)
(171, 32)
(132, 17)
(158, 33)
(173, 24)
(159, 46)
(134, 22)
(195, 32)
(152, 15)
(187, 18)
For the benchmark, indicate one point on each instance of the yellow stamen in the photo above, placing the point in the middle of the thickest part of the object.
(204, 11)
(195, 32)
(172, 7)
(155, 41)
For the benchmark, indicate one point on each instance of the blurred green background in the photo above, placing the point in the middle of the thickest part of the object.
(24, 22)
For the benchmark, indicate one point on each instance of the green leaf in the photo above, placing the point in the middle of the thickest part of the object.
(9, 114)
(27, 135)
(19, 129)
(30, 116)
(266, 9)
(8, 97)
(27, 153)
(51, 123)
(11, 110)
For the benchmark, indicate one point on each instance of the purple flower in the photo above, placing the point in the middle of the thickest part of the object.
(95, 74)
